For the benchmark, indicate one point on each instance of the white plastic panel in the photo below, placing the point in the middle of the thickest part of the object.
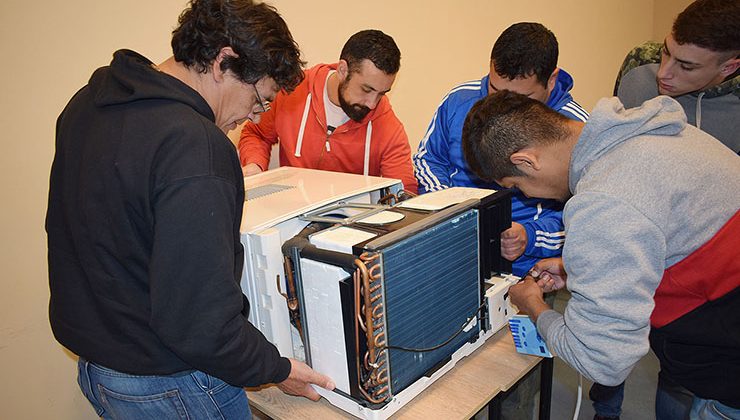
(308, 190)
(340, 239)
(324, 320)
(500, 309)
(268, 310)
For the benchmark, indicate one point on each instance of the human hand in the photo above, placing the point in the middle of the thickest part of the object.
(300, 379)
(550, 274)
(513, 241)
(251, 169)
(527, 296)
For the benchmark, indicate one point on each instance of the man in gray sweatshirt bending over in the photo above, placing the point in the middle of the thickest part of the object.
(651, 222)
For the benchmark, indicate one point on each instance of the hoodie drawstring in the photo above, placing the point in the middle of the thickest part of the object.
(299, 143)
(368, 135)
(698, 110)
(302, 129)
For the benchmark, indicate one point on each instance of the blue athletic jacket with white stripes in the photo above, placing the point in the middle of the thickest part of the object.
(439, 163)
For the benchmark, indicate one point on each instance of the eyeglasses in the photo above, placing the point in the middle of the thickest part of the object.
(265, 105)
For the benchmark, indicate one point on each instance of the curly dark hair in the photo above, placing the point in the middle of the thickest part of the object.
(375, 46)
(710, 24)
(256, 33)
(525, 49)
(500, 125)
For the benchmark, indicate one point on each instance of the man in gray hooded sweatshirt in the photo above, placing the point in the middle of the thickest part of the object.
(651, 222)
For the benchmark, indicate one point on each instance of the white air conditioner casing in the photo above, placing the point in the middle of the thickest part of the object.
(280, 203)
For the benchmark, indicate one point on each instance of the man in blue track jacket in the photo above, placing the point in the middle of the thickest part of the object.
(524, 60)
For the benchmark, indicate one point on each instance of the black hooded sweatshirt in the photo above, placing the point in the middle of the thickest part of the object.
(145, 203)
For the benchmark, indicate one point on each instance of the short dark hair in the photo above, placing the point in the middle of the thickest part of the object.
(500, 125)
(375, 46)
(710, 24)
(525, 49)
(256, 33)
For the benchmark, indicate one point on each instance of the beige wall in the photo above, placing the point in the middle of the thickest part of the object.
(663, 21)
(49, 49)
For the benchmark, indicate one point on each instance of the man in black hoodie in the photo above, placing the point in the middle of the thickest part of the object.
(145, 202)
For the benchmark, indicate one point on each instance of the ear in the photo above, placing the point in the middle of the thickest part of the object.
(218, 74)
(343, 69)
(730, 66)
(526, 160)
(552, 80)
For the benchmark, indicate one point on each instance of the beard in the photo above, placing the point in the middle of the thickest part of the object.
(355, 112)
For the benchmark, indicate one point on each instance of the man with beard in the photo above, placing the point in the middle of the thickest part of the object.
(338, 118)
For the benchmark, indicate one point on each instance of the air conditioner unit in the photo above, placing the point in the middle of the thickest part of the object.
(382, 295)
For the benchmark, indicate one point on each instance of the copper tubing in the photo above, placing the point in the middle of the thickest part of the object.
(389, 198)
(369, 367)
(375, 310)
(361, 270)
(367, 258)
(367, 312)
(377, 342)
(291, 302)
(372, 313)
(288, 267)
(376, 364)
(382, 376)
(374, 272)
(279, 288)
(358, 305)
(361, 274)
(381, 391)
(373, 399)
(377, 378)
(381, 362)
(369, 319)
(356, 281)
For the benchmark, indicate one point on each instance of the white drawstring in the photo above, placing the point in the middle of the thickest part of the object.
(299, 143)
(698, 110)
(577, 410)
(368, 135)
(302, 129)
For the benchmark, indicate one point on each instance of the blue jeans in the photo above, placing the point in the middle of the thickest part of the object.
(607, 400)
(672, 401)
(193, 395)
(712, 410)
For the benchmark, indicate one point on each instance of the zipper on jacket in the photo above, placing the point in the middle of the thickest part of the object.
(329, 130)
(327, 145)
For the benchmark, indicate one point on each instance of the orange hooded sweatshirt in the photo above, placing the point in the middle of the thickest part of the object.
(376, 146)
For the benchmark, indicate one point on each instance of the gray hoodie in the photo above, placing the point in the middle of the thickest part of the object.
(648, 190)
